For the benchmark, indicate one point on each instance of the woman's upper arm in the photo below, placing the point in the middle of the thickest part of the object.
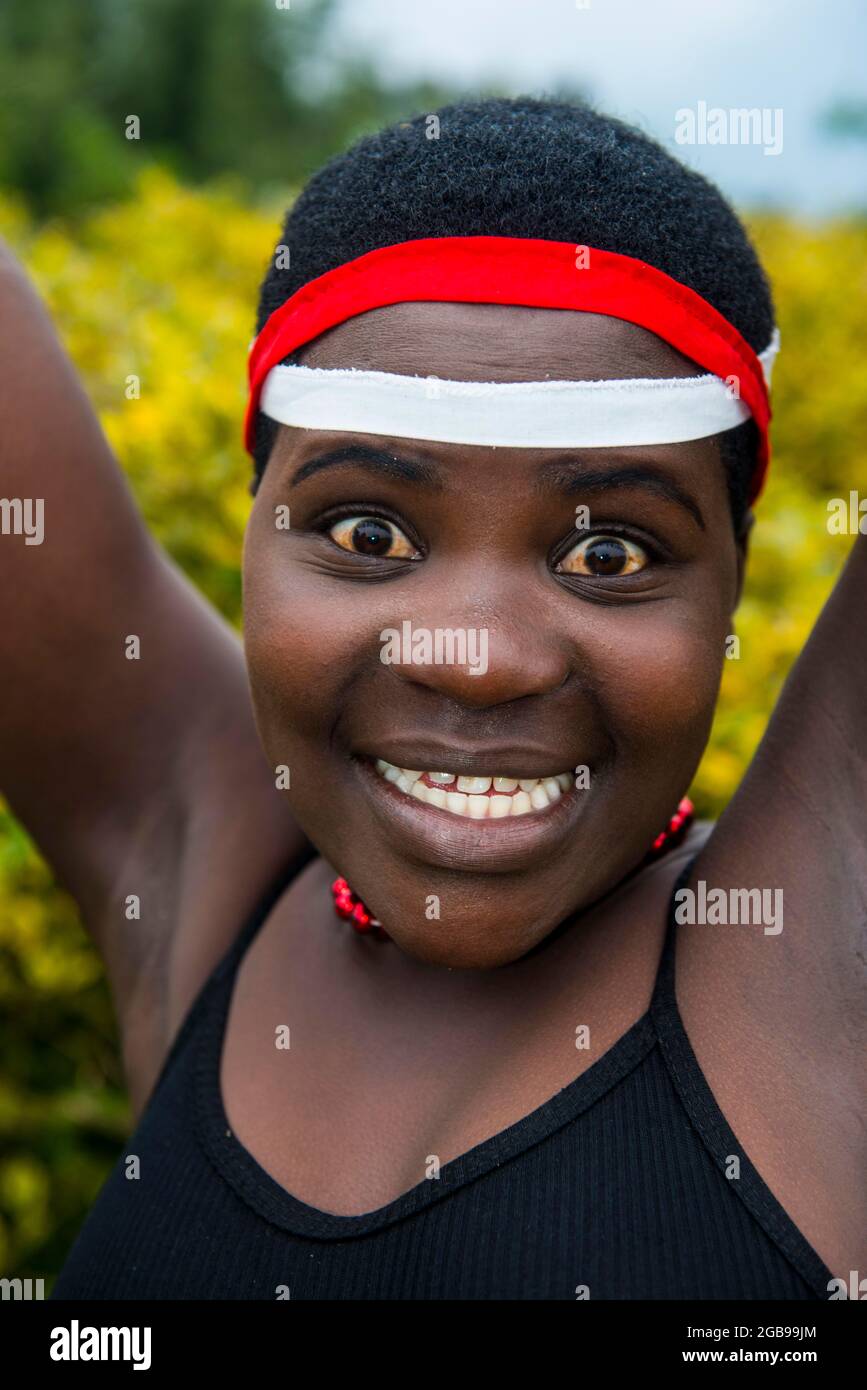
(127, 743)
(797, 824)
(776, 1001)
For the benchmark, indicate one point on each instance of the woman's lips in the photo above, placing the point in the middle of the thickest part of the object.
(483, 797)
(462, 838)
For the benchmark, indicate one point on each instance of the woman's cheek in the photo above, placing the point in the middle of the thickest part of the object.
(664, 683)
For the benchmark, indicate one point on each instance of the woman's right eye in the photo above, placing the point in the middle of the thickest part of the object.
(605, 557)
(373, 535)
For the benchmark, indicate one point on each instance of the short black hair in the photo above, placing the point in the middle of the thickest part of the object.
(529, 167)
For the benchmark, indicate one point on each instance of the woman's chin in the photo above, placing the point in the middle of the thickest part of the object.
(468, 940)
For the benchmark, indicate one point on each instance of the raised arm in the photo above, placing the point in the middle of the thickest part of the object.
(777, 1011)
(135, 767)
(799, 819)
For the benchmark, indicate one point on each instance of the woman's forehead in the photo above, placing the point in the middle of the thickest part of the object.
(496, 342)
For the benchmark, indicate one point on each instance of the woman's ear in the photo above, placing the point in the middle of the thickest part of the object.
(742, 541)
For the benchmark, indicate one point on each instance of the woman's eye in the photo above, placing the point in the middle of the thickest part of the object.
(604, 557)
(372, 535)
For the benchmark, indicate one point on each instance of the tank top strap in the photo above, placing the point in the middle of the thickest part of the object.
(709, 1122)
(663, 999)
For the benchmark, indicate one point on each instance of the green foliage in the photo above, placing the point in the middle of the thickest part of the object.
(219, 86)
(63, 1112)
(162, 285)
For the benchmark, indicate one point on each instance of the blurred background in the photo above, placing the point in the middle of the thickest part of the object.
(149, 253)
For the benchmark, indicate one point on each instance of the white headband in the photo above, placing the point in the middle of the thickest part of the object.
(519, 414)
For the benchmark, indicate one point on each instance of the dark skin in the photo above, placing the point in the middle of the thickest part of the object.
(132, 779)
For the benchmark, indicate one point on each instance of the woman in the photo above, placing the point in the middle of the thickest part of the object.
(484, 634)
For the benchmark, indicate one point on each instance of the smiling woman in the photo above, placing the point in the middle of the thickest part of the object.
(523, 1074)
(493, 547)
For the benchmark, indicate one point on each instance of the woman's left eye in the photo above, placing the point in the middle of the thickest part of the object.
(604, 557)
(372, 535)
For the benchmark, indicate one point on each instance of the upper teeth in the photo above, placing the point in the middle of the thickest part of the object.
(478, 798)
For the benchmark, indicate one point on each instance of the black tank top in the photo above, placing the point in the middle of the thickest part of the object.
(617, 1187)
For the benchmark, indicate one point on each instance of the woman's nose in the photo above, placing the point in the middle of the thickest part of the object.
(487, 663)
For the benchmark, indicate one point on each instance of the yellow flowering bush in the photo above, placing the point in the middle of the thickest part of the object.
(155, 300)
(819, 279)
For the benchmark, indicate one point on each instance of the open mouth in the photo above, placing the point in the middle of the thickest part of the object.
(477, 797)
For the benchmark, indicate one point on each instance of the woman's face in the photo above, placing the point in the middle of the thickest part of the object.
(597, 655)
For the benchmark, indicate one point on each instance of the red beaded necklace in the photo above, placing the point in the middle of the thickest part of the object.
(349, 906)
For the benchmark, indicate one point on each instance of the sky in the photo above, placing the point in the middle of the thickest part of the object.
(647, 60)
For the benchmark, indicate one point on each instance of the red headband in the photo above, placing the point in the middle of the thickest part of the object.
(516, 270)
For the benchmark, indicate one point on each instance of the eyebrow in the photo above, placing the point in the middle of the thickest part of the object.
(575, 478)
(567, 476)
(377, 461)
